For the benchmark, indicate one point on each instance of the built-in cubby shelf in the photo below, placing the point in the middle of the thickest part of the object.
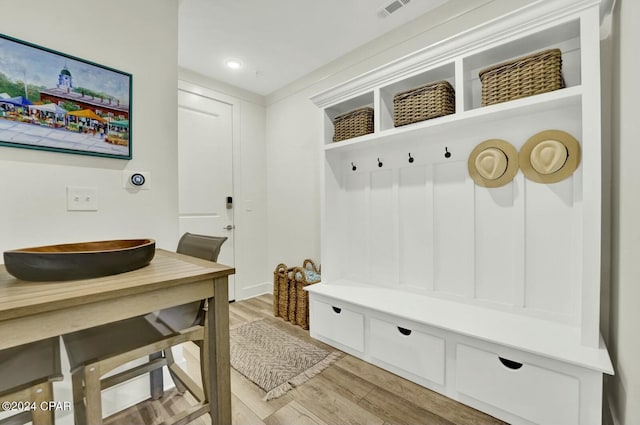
(565, 37)
(462, 72)
(357, 102)
(387, 93)
(559, 99)
(471, 280)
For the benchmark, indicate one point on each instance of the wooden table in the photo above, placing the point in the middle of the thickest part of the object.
(30, 311)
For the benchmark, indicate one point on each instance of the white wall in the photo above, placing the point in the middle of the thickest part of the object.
(293, 149)
(623, 390)
(253, 275)
(294, 126)
(249, 183)
(137, 37)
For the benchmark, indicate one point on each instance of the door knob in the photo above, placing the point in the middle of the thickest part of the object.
(229, 227)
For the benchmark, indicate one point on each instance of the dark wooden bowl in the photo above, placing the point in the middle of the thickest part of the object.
(83, 260)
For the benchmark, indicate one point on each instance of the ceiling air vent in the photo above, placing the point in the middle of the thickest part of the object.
(392, 7)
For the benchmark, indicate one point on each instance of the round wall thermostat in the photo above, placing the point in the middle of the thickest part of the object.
(137, 179)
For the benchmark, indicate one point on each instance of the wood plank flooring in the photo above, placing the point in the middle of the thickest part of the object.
(350, 391)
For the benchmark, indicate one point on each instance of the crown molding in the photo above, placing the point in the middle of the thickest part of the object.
(525, 19)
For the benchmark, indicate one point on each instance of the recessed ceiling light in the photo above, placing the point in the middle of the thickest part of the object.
(233, 63)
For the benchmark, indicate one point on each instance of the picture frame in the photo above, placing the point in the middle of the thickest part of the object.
(57, 102)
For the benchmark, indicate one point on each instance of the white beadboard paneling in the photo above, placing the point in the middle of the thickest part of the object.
(357, 215)
(382, 235)
(549, 232)
(498, 243)
(335, 218)
(416, 227)
(453, 211)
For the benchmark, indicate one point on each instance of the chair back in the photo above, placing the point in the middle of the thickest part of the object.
(191, 314)
(201, 246)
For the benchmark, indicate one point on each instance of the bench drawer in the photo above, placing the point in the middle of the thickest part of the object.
(540, 395)
(416, 352)
(337, 324)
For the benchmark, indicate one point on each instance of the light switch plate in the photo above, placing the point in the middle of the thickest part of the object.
(82, 198)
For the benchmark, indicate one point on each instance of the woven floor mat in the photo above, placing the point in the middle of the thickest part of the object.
(275, 360)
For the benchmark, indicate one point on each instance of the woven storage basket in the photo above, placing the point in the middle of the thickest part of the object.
(281, 290)
(534, 74)
(424, 103)
(300, 303)
(353, 124)
(291, 306)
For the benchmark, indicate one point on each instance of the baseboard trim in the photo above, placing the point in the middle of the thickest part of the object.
(254, 291)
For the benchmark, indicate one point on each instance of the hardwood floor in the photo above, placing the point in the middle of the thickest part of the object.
(350, 391)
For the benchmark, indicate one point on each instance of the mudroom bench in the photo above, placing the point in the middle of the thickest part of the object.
(462, 214)
(524, 370)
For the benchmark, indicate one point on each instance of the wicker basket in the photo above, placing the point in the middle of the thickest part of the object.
(299, 304)
(534, 74)
(281, 290)
(353, 124)
(424, 103)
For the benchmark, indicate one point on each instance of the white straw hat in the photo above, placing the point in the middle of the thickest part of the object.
(493, 163)
(550, 156)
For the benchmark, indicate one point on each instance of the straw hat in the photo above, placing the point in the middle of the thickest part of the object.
(550, 156)
(493, 163)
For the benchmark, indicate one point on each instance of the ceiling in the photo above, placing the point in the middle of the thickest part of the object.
(279, 41)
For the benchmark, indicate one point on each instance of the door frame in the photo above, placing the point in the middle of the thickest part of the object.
(235, 158)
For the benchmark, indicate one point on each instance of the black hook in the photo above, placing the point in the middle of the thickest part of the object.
(447, 154)
(411, 159)
(379, 163)
(353, 167)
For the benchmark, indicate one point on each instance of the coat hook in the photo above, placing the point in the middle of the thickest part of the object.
(447, 154)
(411, 159)
(353, 167)
(379, 163)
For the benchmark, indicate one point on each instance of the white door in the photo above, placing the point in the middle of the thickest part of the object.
(205, 171)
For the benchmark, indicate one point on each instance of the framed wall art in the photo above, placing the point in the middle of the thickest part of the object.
(57, 102)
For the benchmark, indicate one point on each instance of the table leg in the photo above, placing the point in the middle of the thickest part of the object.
(217, 344)
(155, 379)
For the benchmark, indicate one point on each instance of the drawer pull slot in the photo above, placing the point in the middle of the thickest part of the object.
(404, 331)
(510, 363)
(336, 309)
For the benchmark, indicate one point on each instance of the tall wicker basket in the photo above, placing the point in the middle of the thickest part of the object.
(300, 303)
(424, 103)
(526, 76)
(290, 300)
(281, 290)
(353, 124)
